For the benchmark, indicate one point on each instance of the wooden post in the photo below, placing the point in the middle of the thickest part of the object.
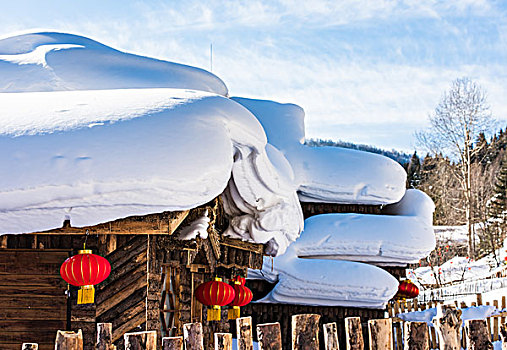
(331, 336)
(244, 333)
(417, 336)
(104, 337)
(503, 335)
(192, 334)
(223, 341)
(141, 340)
(66, 340)
(478, 336)
(30, 346)
(495, 322)
(305, 332)
(269, 336)
(354, 334)
(381, 334)
(172, 343)
(447, 323)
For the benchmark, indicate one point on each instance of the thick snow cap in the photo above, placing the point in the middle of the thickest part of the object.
(58, 61)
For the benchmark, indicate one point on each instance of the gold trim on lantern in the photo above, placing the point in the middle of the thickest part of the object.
(84, 251)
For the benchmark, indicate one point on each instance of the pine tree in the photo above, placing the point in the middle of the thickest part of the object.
(414, 171)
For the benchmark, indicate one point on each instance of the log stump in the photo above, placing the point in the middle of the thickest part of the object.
(244, 333)
(381, 334)
(353, 334)
(67, 340)
(477, 335)
(193, 338)
(141, 340)
(447, 323)
(172, 343)
(331, 336)
(417, 336)
(223, 341)
(305, 332)
(269, 336)
(104, 337)
(503, 334)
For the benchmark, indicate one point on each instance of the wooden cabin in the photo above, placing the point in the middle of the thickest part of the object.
(151, 285)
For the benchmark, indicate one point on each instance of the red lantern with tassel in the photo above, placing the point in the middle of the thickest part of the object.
(214, 294)
(243, 296)
(407, 289)
(85, 270)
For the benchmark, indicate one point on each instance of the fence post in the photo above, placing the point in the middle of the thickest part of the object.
(381, 334)
(269, 336)
(244, 333)
(503, 335)
(30, 346)
(305, 332)
(331, 336)
(141, 340)
(478, 336)
(417, 336)
(447, 323)
(172, 343)
(192, 333)
(495, 322)
(223, 341)
(354, 333)
(67, 340)
(104, 337)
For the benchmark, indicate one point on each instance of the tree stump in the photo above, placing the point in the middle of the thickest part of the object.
(104, 337)
(172, 343)
(503, 335)
(447, 323)
(417, 336)
(305, 332)
(244, 333)
(141, 340)
(223, 341)
(353, 334)
(380, 334)
(331, 336)
(66, 340)
(192, 334)
(30, 346)
(269, 336)
(477, 335)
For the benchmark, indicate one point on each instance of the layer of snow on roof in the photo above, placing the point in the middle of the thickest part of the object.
(57, 61)
(96, 156)
(470, 313)
(328, 174)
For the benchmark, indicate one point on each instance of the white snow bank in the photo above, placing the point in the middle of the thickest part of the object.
(197, 228)
(96, 156)
(58, 61)
(392, 239)
(328, 174)
(470, 313)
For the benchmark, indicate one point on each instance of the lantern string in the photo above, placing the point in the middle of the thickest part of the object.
(86, 238)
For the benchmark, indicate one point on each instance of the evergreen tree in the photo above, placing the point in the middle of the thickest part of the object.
(414, 171)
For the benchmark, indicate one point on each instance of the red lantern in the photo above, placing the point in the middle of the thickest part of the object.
(407, 289)
(214, 294)
(85, 270)
(243, 296)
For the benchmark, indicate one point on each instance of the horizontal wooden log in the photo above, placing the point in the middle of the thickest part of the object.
(33, 280)
(30, 325)
(243, 245)
(31, 302)
(16, 346)
(18, 291)
(30, 257)
(33, 314)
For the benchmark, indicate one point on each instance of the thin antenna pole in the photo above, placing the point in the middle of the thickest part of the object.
(211, 57)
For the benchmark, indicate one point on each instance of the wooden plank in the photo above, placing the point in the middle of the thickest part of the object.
(305, 332)
(331, 336)
(117, 294)
(380, 334)
(35, 280)
(172, 343)
(33, 257)
(269, 336)
(34, 314)
(16, 346)
(192, 335)
(29, 325)
(244, 333)
(223, 341)
(141, 340)
(353, 334)
(477, 335)
(18, 291)
(132, 323)
(243, 245)
(67, 340)
(447, 323)
(416, 336)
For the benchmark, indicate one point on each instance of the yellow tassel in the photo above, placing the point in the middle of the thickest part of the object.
(214, 313)
(86, 295)
(233, 313)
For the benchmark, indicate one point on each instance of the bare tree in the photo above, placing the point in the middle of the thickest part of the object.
(458, 119)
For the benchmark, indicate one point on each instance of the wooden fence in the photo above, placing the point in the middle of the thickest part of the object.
(305, 335)
(493, 323)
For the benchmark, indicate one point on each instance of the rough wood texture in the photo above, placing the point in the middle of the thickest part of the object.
(381, 334)
(66, 340)
(353, 334)
(477, 335)
(30, 346)
(223, 341)
(416, 336)
(305, 332)
(141, 340)
(172, 343)
(104, 337)
(269, 336)
(244, 333)
(331, 336)
(447, 323)
(503, 335)
(192, 333)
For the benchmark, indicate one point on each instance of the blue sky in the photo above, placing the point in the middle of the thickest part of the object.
(364, 71)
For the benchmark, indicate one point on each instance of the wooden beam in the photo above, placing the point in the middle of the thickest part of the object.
(239, 244)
